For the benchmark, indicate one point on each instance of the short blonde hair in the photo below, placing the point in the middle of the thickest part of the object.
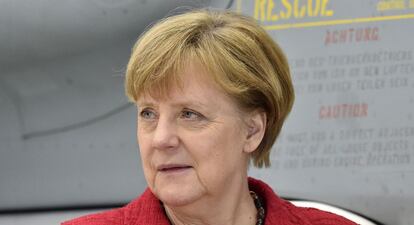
(240, 56)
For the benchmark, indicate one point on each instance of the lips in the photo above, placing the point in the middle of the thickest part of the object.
(172, 167)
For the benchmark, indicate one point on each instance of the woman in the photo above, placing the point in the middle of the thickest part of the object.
(212, 91)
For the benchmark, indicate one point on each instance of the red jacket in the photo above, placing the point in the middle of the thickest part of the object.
(147, 210)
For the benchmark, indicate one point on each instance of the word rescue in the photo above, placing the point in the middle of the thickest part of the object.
(274, 10)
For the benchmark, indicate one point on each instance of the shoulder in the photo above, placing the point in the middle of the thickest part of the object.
(312, 216)
(280, 211)
(143, 210)
(319, 217)
(110, 217)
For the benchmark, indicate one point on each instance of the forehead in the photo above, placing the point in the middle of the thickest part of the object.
(192, 85)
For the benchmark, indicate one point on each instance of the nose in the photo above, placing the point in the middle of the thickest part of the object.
(165, 135)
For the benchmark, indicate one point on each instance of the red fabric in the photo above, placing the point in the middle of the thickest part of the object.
(147, 210)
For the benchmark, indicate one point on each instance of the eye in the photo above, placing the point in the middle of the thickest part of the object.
(147, 114)
(191, 115)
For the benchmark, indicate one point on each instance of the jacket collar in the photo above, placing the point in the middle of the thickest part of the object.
(147, 209)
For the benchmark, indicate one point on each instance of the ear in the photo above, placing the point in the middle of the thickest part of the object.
(256, 127)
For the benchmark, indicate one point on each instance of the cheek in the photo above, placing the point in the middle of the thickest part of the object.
(144, 143)
(218, 158)
(144, 139)
(218, 149)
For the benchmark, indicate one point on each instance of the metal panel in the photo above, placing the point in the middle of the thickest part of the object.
(349, 140)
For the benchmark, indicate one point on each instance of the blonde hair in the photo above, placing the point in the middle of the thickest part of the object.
(240, 56)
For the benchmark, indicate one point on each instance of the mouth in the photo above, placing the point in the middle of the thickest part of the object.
(173, 167)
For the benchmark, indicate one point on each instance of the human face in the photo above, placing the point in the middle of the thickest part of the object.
(192, 141)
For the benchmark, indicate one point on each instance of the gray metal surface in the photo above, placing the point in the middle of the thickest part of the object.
(67, 133)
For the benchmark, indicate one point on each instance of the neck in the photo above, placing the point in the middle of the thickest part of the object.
(233, 206)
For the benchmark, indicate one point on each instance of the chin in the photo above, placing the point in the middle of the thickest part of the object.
(179, 195)
(174, 201)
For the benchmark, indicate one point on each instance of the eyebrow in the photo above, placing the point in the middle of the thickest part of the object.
(177, 104)
(145, 104)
